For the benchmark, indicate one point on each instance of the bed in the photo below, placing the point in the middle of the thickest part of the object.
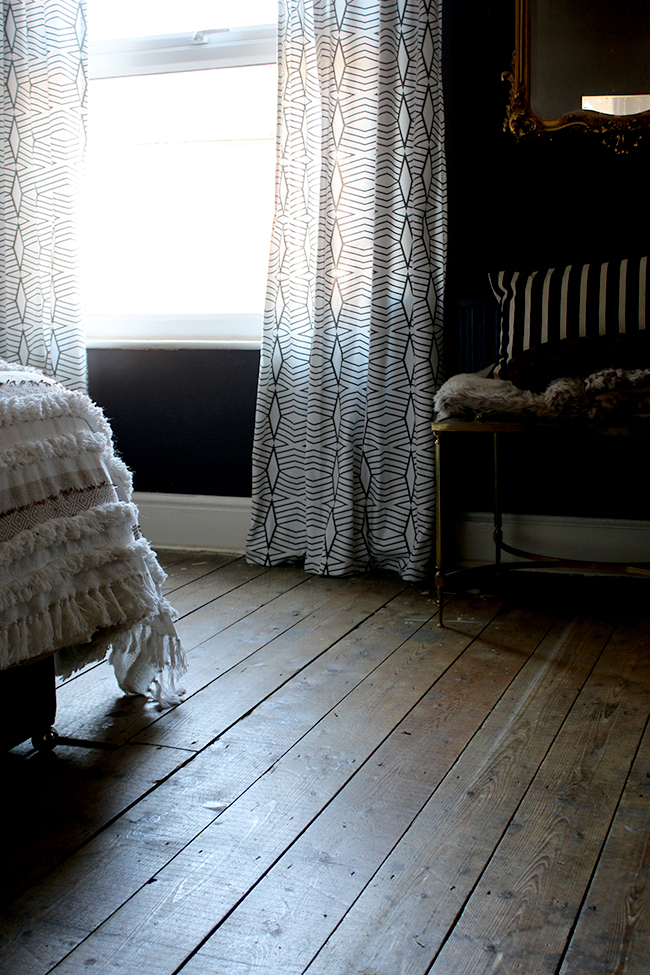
(77, 579)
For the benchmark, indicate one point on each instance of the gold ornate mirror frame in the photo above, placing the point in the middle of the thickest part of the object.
(620, 132)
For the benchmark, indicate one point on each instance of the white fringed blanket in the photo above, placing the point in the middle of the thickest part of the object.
(76, 577)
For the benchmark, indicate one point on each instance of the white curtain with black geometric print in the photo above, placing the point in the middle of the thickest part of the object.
(43, 138)
(343, 456)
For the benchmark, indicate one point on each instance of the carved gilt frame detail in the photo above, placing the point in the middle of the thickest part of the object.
(620, 132)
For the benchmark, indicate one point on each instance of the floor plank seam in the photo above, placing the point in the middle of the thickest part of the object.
(61, 682)
(160, 745)
(229, 592)
(245, 615)
(465, 903)
(104, 826)
(307, 825)
(296, 673)
(213, 571)
(449, 773)
(151, 880)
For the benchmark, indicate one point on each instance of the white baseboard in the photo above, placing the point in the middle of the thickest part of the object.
(194, 521)
(595, 539)
(197, 521)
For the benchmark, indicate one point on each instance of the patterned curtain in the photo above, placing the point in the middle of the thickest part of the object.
(43, 135)
(343, 456)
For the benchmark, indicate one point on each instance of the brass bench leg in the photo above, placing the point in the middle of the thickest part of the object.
(440, 580)
(498, 532)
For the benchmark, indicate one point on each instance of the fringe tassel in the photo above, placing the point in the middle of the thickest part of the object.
(149, 659)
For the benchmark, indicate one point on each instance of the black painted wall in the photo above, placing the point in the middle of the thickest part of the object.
(528, 204)
(532, 203)
(183, 420)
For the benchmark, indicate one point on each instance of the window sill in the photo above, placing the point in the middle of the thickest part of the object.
(229, 331)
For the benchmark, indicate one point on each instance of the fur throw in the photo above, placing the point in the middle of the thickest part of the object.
(607, 394)
(76, 577)
(469, 393)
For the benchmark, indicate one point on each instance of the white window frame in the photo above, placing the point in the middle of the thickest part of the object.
(128, 57)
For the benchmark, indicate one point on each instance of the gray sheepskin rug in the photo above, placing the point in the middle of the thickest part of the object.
(604, 394)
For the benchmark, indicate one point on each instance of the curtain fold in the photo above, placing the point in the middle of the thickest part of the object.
(343, 468)
(43, 137)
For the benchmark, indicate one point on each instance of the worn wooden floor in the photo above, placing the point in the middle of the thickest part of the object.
(347, 789)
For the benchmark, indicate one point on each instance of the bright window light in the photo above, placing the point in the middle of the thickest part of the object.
(180, 179)
(180, 191)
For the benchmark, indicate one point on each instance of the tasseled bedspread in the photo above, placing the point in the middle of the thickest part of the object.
(76, 577)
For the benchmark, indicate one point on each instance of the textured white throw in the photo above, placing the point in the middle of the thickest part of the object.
(76, 577)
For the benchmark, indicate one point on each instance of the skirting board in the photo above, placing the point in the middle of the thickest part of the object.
(194, 521)
(221, 524)
(598, 539)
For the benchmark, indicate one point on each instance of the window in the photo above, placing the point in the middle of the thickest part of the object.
(180, 174)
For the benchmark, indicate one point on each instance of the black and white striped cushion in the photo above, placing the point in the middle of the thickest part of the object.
(568, 303)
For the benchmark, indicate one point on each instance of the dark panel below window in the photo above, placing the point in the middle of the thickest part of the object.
(183, 418)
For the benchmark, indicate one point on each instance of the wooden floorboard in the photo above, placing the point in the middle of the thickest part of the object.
(168, 557)
(58, 802)
(188, 570)
(96, 709)
(347, 788)
(295, 787)
(613, 931)
(411, 903)
(526, 901)
(309, 889)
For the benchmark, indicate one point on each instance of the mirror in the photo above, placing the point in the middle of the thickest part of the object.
(582, 64)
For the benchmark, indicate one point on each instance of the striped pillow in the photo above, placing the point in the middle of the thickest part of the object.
(568, 303)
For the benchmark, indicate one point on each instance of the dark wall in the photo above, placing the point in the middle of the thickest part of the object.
(532, 203)
(183, 418)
